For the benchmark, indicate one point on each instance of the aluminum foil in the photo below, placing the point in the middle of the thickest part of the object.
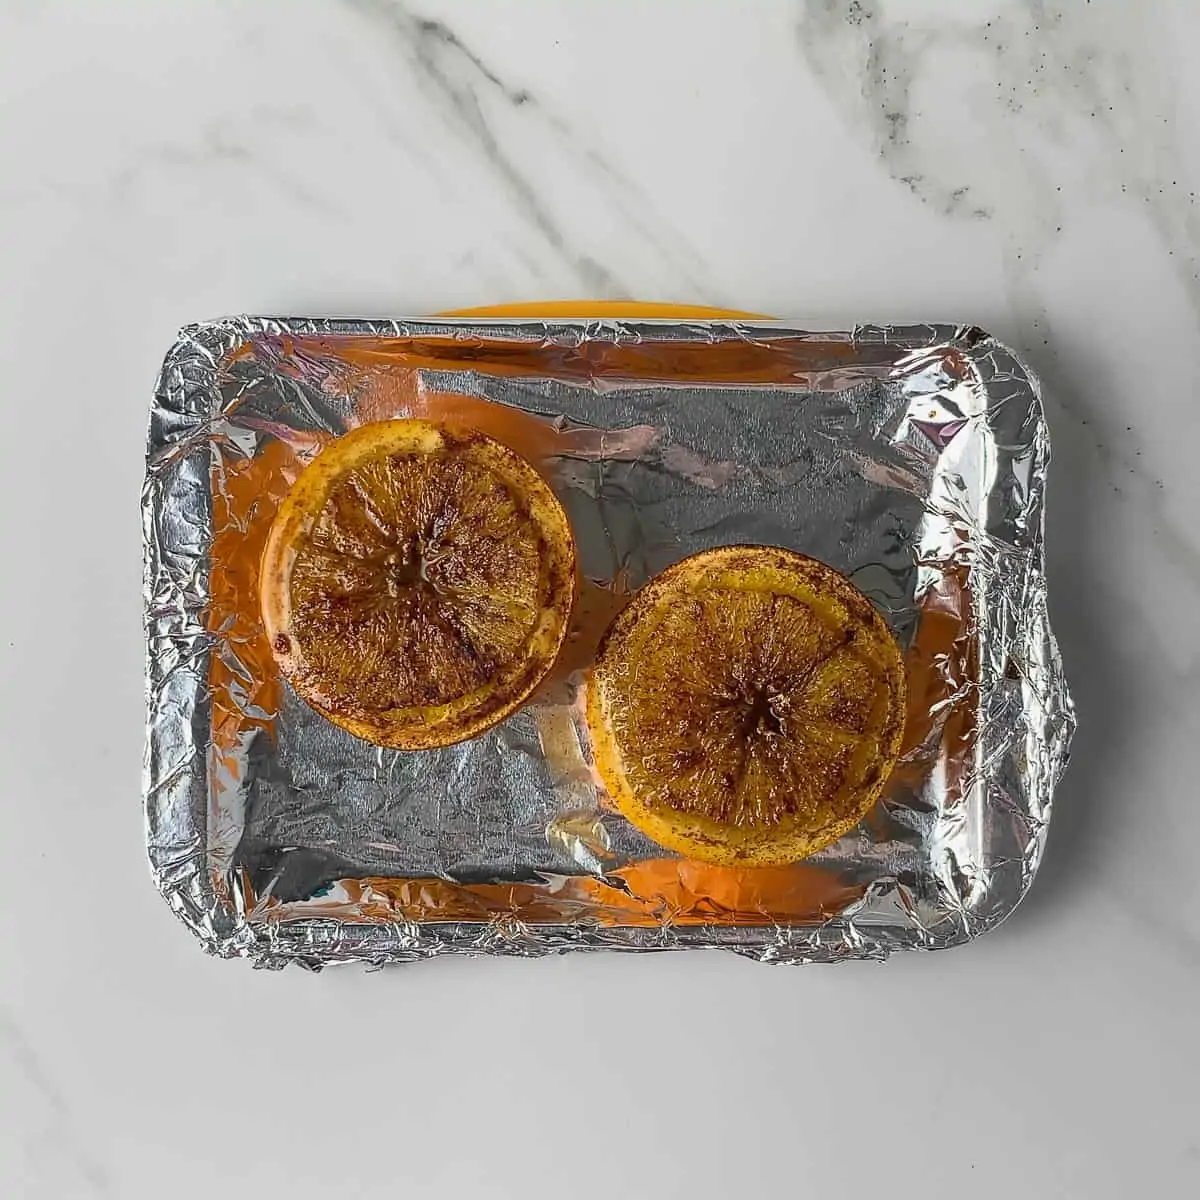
(912, 458)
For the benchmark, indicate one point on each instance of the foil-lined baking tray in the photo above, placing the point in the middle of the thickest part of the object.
(911, 458)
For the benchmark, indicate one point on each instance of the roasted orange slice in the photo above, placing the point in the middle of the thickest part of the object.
(417, 583)
(747, 707)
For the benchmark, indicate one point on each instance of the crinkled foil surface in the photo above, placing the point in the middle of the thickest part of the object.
(912, 458)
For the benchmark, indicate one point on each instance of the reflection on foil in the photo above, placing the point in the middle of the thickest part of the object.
(913, 459)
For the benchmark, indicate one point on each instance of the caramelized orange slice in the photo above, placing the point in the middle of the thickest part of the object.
(417, 583)
(747, 707)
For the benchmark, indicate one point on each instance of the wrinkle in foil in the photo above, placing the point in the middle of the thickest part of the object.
(913, 459)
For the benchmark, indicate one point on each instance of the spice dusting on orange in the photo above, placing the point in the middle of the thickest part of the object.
(417, 582)
(746, 709)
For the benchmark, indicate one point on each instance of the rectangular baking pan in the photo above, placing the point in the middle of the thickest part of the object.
(911, 458)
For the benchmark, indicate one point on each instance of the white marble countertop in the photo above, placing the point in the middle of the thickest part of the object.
(1029, 167)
